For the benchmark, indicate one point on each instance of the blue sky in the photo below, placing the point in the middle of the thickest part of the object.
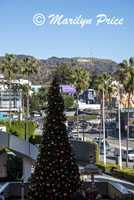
(19, 34)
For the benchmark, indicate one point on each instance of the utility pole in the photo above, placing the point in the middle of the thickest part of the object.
(120, 159)
(104, 126)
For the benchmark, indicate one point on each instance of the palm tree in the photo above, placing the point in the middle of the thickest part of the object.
(81, 82)
(126, 76)
(9, 66)
(106, 81)
(29, 67)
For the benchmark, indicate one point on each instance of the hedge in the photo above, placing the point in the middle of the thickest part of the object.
(18, 127)
(109, 167)
(85, 117)
(97, 150)
(126, 173)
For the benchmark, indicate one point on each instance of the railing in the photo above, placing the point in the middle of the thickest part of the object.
(110, 189)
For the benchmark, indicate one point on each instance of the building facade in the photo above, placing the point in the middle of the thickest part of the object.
(16, 102)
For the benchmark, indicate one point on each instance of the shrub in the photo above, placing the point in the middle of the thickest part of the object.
(127, 197)
(35, 139)
(18, 127)
(14, 168)
(126, 173)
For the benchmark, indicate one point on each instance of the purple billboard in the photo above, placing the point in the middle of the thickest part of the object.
(67, 89)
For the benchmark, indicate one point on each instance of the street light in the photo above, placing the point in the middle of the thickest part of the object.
(104, 126)
(120, 159)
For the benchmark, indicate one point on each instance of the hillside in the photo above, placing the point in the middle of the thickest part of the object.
(48, 66)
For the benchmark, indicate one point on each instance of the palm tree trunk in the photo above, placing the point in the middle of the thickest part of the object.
(22, 104)
(28, 100)
(10, 99)
(26, 131)
(27, 113)
(127, 131)
(100, 127)
(111, 111)
(77, 114)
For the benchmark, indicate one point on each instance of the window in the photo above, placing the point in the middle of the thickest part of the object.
(131, 151)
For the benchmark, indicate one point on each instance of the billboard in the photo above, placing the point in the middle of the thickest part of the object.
(67, 89)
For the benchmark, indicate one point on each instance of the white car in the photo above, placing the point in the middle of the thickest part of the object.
(123, 152)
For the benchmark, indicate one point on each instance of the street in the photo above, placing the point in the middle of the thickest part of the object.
(110, 158)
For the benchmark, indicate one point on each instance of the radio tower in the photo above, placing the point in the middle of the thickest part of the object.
(91, 57)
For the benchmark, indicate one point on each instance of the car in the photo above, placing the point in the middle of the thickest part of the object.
(69, 130)
(123, 152)
(108, 147)
(74, 134)
(81, 121)
(96, 139)
(102, 150)
(71, 124)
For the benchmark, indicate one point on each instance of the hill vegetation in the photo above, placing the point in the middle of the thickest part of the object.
(48, 66)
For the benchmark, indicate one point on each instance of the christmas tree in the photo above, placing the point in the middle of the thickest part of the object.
(56, 174)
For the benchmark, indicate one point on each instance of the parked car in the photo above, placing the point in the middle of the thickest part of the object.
(74, 134)
(81, 121)
(71, 124)
(123, 152)
(96, 139)
(69, 130)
